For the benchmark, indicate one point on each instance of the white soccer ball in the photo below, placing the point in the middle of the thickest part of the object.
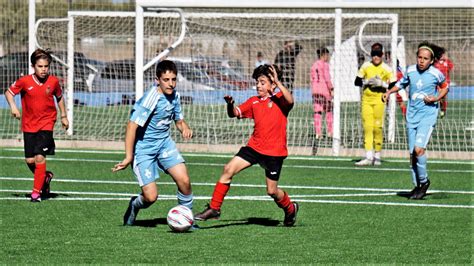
(180, 218)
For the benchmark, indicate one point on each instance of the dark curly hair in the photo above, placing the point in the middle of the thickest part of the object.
(166, 65)
(264, 70)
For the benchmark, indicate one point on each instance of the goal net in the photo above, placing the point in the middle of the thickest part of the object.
(216, 57)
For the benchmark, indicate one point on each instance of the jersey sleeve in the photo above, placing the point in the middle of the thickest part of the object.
(139, 114)
(245, 109)
(388, 77)
(362, 71)
(404, 80)
(58, 92)
(17, 86)
(177, 111)
(442, 84)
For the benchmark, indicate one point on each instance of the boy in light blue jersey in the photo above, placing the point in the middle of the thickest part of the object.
(422, 113)
(148, 144)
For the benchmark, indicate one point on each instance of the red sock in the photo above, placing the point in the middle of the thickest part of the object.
(40, 174)
(220, 190)
(404, 110)
(444, 105)
(285, 203)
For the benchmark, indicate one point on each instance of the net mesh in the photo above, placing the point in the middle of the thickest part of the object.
(218, 55)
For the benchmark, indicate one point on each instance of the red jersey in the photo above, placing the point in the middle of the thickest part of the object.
(270, 120)
(37, 101)
(445, 65)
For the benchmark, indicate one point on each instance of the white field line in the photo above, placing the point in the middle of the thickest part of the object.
(284, 166)
(385, 190)
(309, 158)
(197, 197)
(248, 198)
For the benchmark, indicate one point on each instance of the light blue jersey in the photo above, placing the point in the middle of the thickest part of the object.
(154, 113)
(154, 148)
(422, 84)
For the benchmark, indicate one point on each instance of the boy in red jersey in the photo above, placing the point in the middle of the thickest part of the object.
(267, 145)
(38, 91)
(444, 65)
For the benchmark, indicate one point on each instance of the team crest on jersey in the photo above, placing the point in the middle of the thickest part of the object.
(270, 104)
(48, 90)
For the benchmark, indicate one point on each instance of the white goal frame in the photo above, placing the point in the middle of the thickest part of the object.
(145, 5)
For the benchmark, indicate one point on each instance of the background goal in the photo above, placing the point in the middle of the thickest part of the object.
(217, 56)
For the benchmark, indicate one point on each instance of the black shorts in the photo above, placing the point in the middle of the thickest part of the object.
(271, 164)
(41, 142)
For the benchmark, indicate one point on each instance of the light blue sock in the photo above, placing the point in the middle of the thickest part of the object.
(185, 200)
(414, 171)
(421, 168)
(140, 203)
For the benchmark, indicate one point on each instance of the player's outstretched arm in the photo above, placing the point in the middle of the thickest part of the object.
(11, 101)
(231, 111)
(130, 135)
(185, 130)
(390, 91)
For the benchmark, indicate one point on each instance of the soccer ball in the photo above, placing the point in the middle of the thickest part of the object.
(180, 218)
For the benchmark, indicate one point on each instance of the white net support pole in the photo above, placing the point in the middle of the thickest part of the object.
(392, 101)
(139, 43)
(336, 142)
(31, 30)
(69, 64)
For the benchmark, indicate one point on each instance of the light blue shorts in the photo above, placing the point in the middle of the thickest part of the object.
(146, 165)
(419, 136)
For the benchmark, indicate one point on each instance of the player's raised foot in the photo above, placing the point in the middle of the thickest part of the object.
(208, 213)
(377, 161)
(290, 218)
(46, 186)
(421, 193)
(364, 162)
(35, 197)
(131, 214)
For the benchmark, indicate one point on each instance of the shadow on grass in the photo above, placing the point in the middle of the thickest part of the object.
(150, 222)
(243, 222)
(250, 221)
(49, 196)
(407, 194)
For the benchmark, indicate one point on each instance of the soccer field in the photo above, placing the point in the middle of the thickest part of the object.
(347, 215)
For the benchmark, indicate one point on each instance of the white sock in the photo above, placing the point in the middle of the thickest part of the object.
(377, 155)
(369, 155)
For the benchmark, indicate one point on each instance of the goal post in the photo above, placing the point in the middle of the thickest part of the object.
(108, 62)
(338, 65)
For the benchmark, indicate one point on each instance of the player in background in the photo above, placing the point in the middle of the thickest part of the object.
(427, 86)
(374, 77)
(322, 92)
(260, 60)
(38, 117)
(148, 144)
(285, 60)
(267, 145)
(444, 65)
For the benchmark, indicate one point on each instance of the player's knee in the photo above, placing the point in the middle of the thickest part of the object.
(30, 161)
(228, 172)
(419, 151)
(39, 159)
(150, 197)
(272, 192)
